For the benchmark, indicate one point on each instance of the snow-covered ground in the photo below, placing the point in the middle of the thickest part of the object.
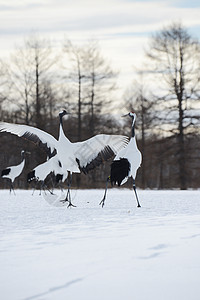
(118, 252)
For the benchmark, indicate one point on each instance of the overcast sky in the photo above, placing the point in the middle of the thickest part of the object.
(123, 27)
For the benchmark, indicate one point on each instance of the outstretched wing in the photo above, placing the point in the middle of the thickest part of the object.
(39, 137)
(94, 151)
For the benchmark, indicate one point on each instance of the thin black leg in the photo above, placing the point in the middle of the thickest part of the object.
(34, 188)
(134, 187)
(12, 188)
(104, 197)
(68, 192)
(43, 187)
(68, 196)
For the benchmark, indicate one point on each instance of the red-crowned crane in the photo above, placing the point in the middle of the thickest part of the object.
(14, 171)
(74, 157)
(39, 173)
(126, 163)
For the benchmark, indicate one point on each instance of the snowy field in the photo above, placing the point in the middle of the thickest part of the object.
(89, 253)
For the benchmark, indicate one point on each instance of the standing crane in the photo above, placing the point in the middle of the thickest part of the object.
(126, 163)
(13, 172)
(74, 157)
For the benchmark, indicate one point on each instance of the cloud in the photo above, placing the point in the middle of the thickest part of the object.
(122, 26)
(114, 16)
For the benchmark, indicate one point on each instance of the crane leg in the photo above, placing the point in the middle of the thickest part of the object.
(134, 187)
(43, 187)
(33, 191)
(68, 196)
(104, 197)
(12, 188)
(34, 182)
(35, 186)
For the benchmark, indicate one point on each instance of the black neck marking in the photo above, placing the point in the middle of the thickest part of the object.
(133, 128)
(61, 122)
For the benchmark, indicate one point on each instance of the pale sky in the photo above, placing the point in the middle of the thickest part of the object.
(122, 27)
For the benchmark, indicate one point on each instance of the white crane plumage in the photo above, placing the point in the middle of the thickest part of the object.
(40, 172)
(13, 172)
(74, 157)
(126, 163)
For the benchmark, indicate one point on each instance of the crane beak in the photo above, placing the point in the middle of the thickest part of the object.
(124, 116)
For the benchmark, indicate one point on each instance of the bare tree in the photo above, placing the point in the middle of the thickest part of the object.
(91, 80)
(175, 58)
(30, 67)
(22, 81)
(76, 77)
(101, 83)
(3, 84)
(41, 61)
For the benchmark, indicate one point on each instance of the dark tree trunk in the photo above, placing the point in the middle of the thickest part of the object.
(92, 108)
(79, 109)
(38, 113)
(181, 150)
(143, 147)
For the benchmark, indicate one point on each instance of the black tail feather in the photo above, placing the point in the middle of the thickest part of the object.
(119, 170)
(31, 176)
(5, 172)
(59, 178)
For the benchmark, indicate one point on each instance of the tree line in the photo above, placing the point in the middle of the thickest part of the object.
(38, 81)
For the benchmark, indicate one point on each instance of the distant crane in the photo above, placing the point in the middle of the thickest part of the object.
(126, 163)
(14, 171)
(74, 157)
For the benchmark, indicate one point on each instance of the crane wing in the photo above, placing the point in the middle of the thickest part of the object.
(39, 137)
(94, 151)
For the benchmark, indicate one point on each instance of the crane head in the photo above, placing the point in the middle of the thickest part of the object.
(130, 114)
(63, 113)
